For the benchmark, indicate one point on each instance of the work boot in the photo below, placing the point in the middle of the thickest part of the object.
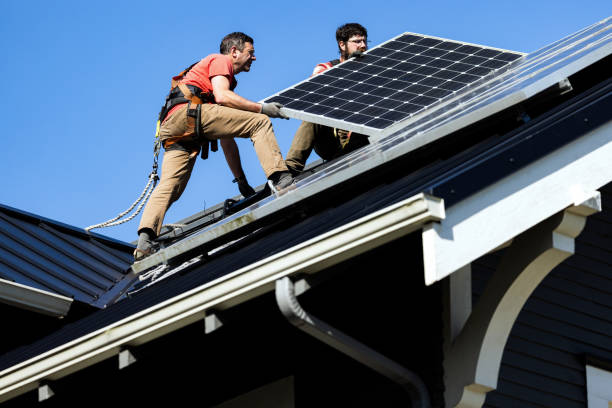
(280, 181)
(145, 245)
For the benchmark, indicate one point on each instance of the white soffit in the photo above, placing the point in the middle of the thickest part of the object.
(500, 212)
(34, 299)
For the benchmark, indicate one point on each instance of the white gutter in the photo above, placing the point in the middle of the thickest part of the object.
(37, 300)
(311, 256)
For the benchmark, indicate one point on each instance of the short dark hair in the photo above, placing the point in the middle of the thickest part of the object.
(236, 39)
(346, 31)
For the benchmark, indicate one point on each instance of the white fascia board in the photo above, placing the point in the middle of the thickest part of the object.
(484, 221)
(309, 257)
(37, 300)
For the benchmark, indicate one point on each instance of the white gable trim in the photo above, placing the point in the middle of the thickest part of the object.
(500, 212)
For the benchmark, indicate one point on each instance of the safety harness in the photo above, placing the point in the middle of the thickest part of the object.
(179, 93)
(192, 95)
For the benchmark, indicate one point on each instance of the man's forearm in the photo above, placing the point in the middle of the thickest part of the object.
(233, 100)
(232, 156)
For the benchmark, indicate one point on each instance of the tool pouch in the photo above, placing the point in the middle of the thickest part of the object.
(196, 114)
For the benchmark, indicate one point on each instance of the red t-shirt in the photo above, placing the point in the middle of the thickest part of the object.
(202, 72)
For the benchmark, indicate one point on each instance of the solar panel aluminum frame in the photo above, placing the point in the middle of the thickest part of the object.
(376, 133)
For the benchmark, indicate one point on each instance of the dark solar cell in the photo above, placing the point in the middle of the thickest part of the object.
(279, 99)
(381, 52)
(298, 105)
(445, 74)
(357, 76)
(506, 56)
(343, 83)
(493, 64)
(394, 115)
(429, 42)
(394, 45)
(356, 65)
(385, 62)
(322, 79)
(448, 45)
(308, 86)
(329, 90)
(433, 52)
(423, 100)
(412, 77)
(452, 85)
(338, 114)
(332, 102)
(459, 67)
(420, 59)
(354, 106)
(338, 72)
(379, 123)
(425, 70)
(313, 97)
(397, 85)
(370, 99)
(394, 81)
(488, 53)
(364, 88)
(293, 94)
(318, 109)
(377, 81)
(474, 60)
(466, 78)
(409, 38)
(359, 118)
(391, 73)
(438, 93)
(440, 63)
(368, 59)
(415, 49)
(348, 95)
(382, 92)
(374, 111)
(406, 66)
(372, 69)
(388, 103)
(401, 55)
(468, 49)
(408, 108)
(480, 71)
(417, 89)
(432, 81)
(403, 96)
(454, 56)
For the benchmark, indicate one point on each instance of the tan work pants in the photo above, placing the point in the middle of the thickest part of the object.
(326, 141)
(218, 122)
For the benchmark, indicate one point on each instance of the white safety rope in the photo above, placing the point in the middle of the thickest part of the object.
(144, 197)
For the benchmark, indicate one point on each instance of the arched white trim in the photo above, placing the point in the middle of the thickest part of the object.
(472, 364)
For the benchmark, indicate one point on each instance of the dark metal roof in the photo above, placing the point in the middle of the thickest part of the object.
(59, 258)
(428, 170)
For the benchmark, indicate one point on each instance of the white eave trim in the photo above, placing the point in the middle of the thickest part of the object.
(311, 256)
(486, 220)
(37, 300)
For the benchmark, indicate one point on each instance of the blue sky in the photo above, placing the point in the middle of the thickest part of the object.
(83, 83)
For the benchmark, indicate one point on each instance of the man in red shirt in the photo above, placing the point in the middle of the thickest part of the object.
(329, 143)
(224, 115)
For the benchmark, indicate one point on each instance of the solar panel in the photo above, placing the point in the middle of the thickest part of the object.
(393, 82)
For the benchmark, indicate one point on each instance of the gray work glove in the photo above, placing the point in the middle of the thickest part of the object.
(243, 185)
(273, 110)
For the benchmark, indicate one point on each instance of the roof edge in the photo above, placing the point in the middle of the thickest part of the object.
(246, 283)
(37, 300)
